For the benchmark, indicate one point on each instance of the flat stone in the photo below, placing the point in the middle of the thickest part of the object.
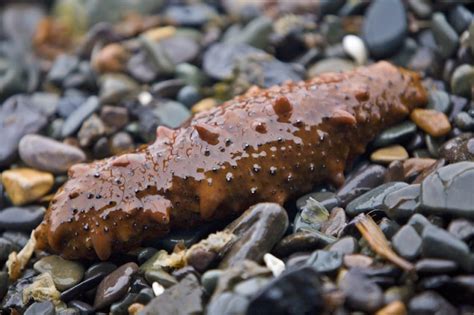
(49, 155)
(430, 266)
(439, 101)
(448, 190)
(77, 117)
(114, 286)
(333, 64)
(183, 298)
(462, 80)
(21, 219)
(445, 36)
(302, 241)
(346, 245)
(41, 308)
(258, 229)
(24, 185)
(361, 181)
(396, 134)
(460, 18)
(434, 123)
(430, 302)
(407, 242)
(325, 262)
(438, 243)
(361, 293)
(401, 204)
(419, 223)
(18, 117)
(389, 154)
(65, 273)
(383, 41)
(372, 199)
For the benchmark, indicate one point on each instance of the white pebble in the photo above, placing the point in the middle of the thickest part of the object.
(354, 46)
(277, 266)
(158, 289)
(145, 98)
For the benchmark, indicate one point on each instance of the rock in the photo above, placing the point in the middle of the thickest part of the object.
(121, 142)
(433, 145)
(41, 308)
(458, 149)
(114, 286)
(407, 243)
(111, 58)
(77, 117)
(189, 95)
(421, 8)
(361, 293)
(209, 279)
(65, 273)
(357, 261)
(3, 284)
(416, 166)
(330, 65)
(445, 36)
(464, 121)
(116, 87)
(63, 66)
(462, 80)
(24, 185)
(361, 181)
(21, 219)
(396, 134)
(99, 268)
(395, 172)
(389, 154)
(302, 241)
(70, 101)
(227, 303)
(462, 229)
(335, 223)
(183, 298)
(447, 190)
(439, 101)
(434, 123)
(372, 199)
(388, 227)
(311, 217)
(258, 229)
(327, 199)
(384, 41)
(419, 223)
(430, 266)
(82, 307)
(346, 245)
(203, 105)
(92, 129)
(18, 117)
(300, 288)
(160, 276)
(49, 155)
(430, 302)
(220, 59)
(81, 287)
(437, 243)
(250, 287)
(325, 262)
(354, 46)
(14, 296)
(460, 18)
(256, 33)
(190, 15)
(401, 204)
(114, 117)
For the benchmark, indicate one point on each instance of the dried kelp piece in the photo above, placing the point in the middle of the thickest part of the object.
(17, 262)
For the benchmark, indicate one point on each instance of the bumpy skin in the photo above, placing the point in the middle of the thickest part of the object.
(267, 145)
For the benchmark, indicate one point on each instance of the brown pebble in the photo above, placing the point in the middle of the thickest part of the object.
(394, 172)
(24, 185)
(111, 58)
(414, 166)
(434, 123)
(389, 154)
(394, 308)
(357, 260)
(135, 308)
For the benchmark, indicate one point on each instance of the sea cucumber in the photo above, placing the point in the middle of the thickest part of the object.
(267, 145)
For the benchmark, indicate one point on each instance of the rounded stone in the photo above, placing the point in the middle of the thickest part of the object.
(434, 123)
(389, 154)
(65, 273)
(407, 243)
(24, 185)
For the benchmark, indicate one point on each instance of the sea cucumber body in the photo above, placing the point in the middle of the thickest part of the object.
(266, 145)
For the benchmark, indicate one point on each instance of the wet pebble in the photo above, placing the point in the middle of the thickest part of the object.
(99, 268)
(346, 245)
(446, 37)
(407, 243)
(325, 262)
(458, 149)
(460, 18)
(401, 204)
(302, 241)
(41, 308)
(114, 117)
(462, 229)
(396, 134)
(430, 302)
(45, 154)
(462, 80)
(383, 41)
(335, 223)
(430, 266)
(24, 185)
(114, 286)
(439, 101)
(464, 121)
(434, 123)
(77, 117)
(116, 87)
(21, 219)
(209, 279)
(65, 273)
(81, 287)
(361, 293)
(389, 154)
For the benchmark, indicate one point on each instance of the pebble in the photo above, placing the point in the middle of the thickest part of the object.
(111, 58)
(302, 241)
(361, 181)
(330, 65)
(250, 287)
(18, 117)
(49, 155)
(372, 199)
(438, 243)
(439, 101)
(458, 149)
(3, 284)
(24, 185)
(389, 154)
(191, 15)
(74, 121)
(114, 117)
(258, 229)
(432, 122)
(63, 66)
(361, 293)
(65, 273)
(325, 262)
(83, 307)
(99, 268)
(227, 303)
(407, 242)
(92, 129)
(184, 298)
(464, 121)
(445, 36)
(41, 308)
(188, 95)
(462, 80)
(431, 266)
(311, 217)
(256, 33)
(383, 41)
(81, 287)
(447, 190)
(419, 223)
(276, 265)
(335, 223)
(397, 134)
(116, 87)
(354, 46)
(209, 279)
(203, 105)
(462, 229)
(416, 166)
(121, 142)
(388, 227)
(21, 218)
(114, 286)
(460, 18)
(300, 288)
(160, 276)
(401, 204)
(357, 261)
(345, 246)
(327, 199)
(430, 302)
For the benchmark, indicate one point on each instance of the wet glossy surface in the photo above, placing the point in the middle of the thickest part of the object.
(267, 145)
